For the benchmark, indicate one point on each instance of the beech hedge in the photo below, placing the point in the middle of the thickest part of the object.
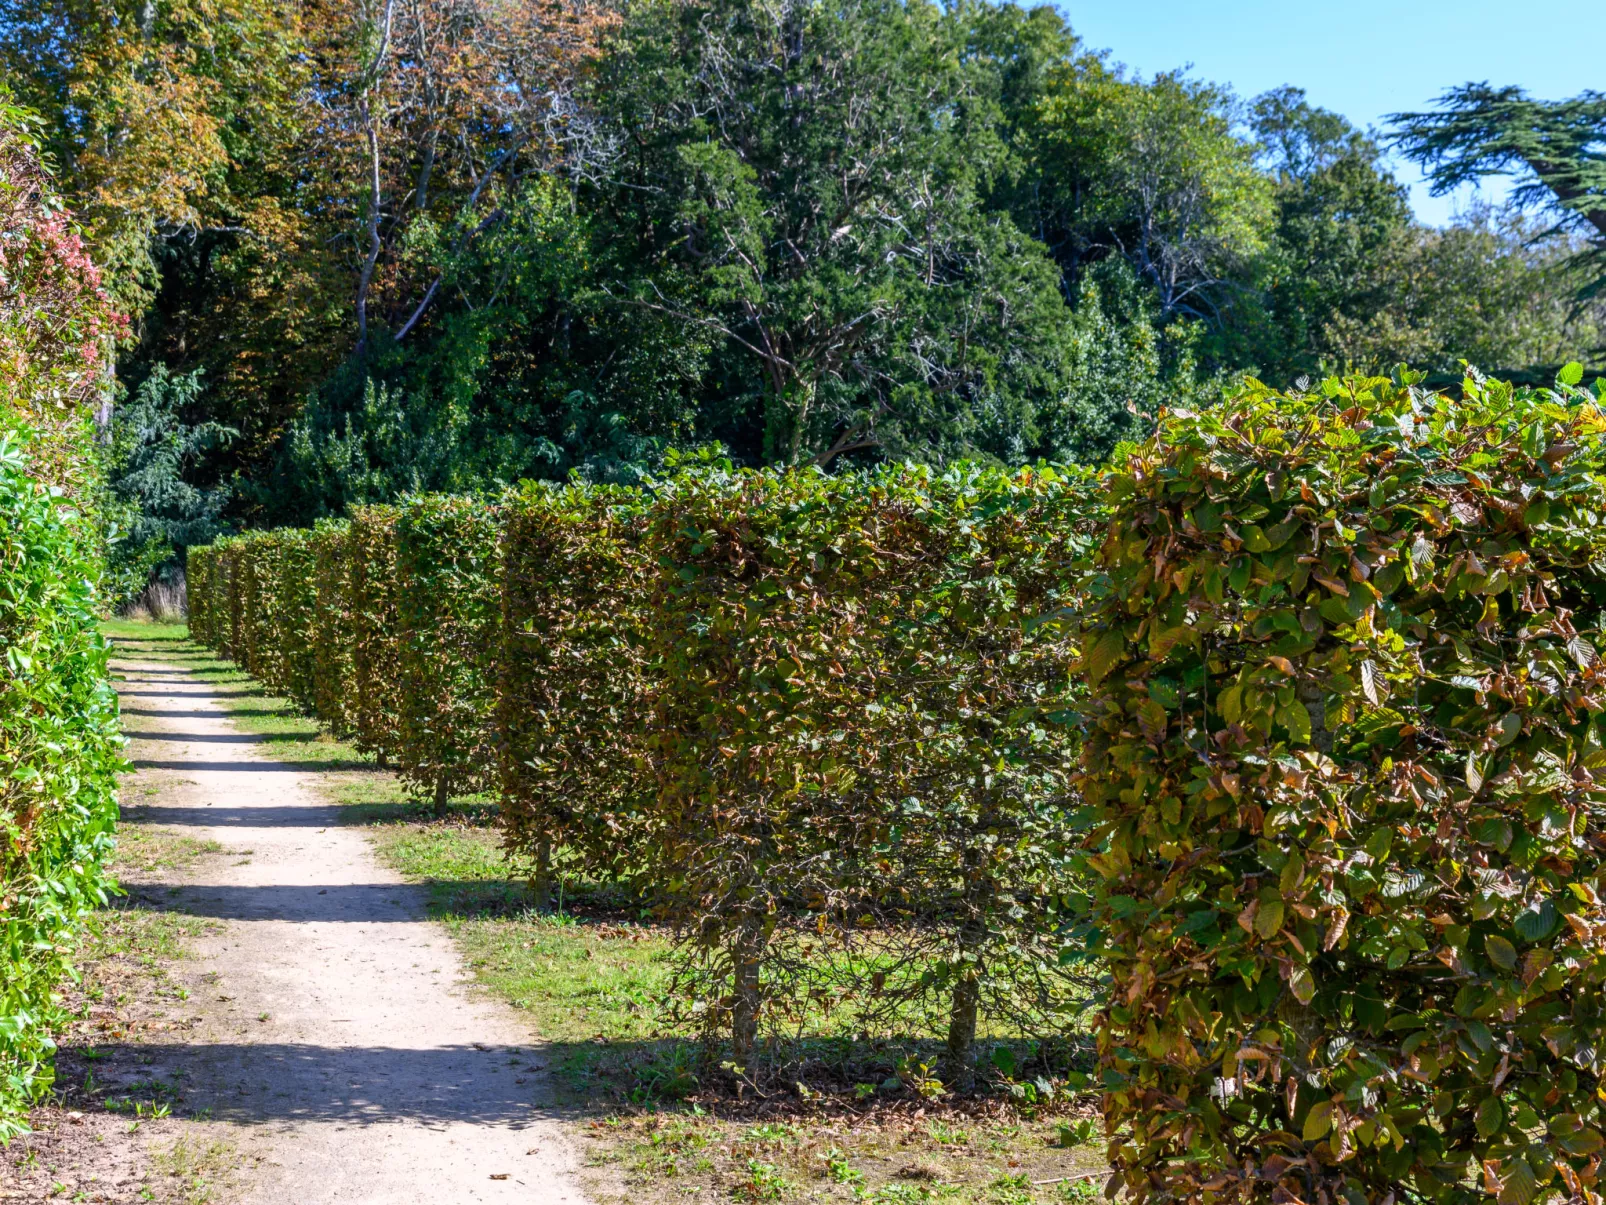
(859, 734)
(448, 620)
(1345, 758)
(571, 680)
(333, 638)
(374, 700)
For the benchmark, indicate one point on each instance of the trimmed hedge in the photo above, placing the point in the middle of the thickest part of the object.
(59, 740)
(206, 595)
(374, 701)
(571, 677)
(1346, 759)
(448, 622)
(857, 735)
(60, 751)
(333, 636)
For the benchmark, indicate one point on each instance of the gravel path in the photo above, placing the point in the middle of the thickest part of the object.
(343, 1043)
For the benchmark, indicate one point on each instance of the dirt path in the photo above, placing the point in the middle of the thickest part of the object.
(342, 1043)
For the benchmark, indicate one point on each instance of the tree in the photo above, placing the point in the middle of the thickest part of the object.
(1557, 150)
(154, 511)
(1340, 219)
(804, 182)
(1154, 172)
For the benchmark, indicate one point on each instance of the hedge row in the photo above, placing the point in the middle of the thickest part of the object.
(1293, 725)
(59, 742)
(806, 717)
(1346, 759)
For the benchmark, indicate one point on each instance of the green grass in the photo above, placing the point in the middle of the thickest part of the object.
(593, 982)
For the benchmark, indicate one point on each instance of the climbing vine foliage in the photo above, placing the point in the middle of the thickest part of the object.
(1345, 759)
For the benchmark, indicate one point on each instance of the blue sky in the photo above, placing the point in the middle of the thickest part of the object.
(1361, 58)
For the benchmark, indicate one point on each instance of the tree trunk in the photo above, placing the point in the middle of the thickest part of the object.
(541, 879)
(959, 1070)
(747, 956)
(441, 796)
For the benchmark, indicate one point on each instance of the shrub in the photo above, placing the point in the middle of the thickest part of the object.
(1346, 743)
(333, 689)
(571, 679)
(854, 734)
(59, 757)
(448, 613)
(374, 703)
(201, 566)
(59, 741)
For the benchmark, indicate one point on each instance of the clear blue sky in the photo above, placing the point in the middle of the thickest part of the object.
(1361, 58)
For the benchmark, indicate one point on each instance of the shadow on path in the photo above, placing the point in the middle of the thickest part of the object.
(221, 738)
(362, 1085)
(349, 903)
(267, 816)
(252, 767)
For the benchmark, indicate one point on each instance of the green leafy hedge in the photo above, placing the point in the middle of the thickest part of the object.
(59, 741)
(1346, 762)
(207, 594)
(857, 735)
(59, 757)
(332, 633)
(374, 700)
(448, 619)
(571, 679)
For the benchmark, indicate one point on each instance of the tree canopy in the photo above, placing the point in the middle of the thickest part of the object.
(441, 244)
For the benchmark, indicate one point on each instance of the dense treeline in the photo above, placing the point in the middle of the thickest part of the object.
(1269, 755)
(377, 246)
(59, 741)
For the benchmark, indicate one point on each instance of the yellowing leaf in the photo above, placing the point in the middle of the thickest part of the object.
(1103, 656)
(1501, 952)
(1269, 920)
(1318, 1121)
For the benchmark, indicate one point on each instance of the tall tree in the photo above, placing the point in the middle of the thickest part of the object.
(1340, 219)
(1155, 172)
(1556, 149)
(805, 180)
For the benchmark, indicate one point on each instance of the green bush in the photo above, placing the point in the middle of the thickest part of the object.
(205, 596)
(59, 740)
(448, 620)
(571, 679)
(333, 688)
(1345, 760)
(374, 701)
(856, 734)
(59, 756)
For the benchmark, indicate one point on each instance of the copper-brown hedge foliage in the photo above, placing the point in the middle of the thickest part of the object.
(1346, 759)
(571, 677)
(448, 623)
(373, 702)
(1336, 824)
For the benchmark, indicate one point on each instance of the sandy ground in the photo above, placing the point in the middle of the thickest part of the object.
(341, 1044)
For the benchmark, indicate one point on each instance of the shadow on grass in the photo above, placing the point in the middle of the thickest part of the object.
(257, 817)
(223, 738)
(252, 767)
